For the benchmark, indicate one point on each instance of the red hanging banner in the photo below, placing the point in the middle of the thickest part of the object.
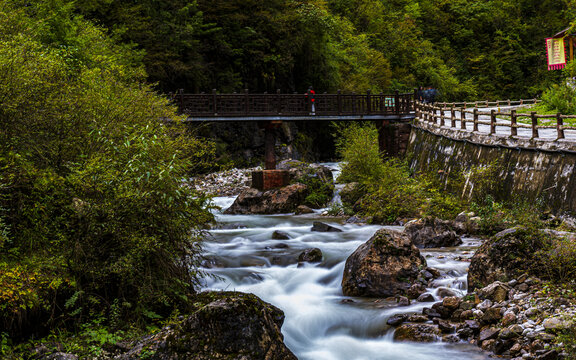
(556, 53)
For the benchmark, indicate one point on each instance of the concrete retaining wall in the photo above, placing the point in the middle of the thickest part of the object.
(532, 170)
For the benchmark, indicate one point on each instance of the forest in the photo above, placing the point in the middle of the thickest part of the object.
(467, 49)
(97, 233)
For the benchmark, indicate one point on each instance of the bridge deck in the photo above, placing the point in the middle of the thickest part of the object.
(403, 117)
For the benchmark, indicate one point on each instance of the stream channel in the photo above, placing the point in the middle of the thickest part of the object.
(321, 323)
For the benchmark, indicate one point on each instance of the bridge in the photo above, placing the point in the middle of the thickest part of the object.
(392, 114)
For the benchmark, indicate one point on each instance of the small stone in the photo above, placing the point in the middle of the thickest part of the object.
(509, 318)
(489, 345)
(416, 290)
(467, 315)
(515, 349)
(451, 338)
(444, 326)
(549, 355)
(416, 318)
(492, 315)
(506, 334)
(555, 324)
(484, 305)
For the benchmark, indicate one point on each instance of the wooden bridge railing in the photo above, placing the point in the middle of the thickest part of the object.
(445, 115)
(255, 105)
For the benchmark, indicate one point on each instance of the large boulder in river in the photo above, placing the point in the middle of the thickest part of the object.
(431, 233)
(384, 266)
(275, 201)
(224, 325)
(506, 255)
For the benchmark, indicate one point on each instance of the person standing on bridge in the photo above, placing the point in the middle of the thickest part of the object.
(310, 97)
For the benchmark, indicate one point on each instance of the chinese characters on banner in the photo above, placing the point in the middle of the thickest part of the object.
(556, 53)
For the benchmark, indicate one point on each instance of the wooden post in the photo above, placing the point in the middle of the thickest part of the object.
(475, 119)
(453, 116)
(442, 116)
(571, 45)
(368, 102)
(560, 124)
(513, 123)
(534, 124)
(279, 104)
(492, 121)
(339, 99)
(181, 93)
(215, 101)
(353, 102)
(397, 101)
(246, 102)
(463, 118)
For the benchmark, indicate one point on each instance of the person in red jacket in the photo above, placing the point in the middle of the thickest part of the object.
(310, 95)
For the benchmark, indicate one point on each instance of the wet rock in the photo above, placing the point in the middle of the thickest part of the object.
(501, 258)
(275, 201)
(351, 193)
(489, 345)
(311, 255)
(280, 235)
(431, 233)
(397, 319)
(555, 324)
(548, 355)
(417, 333)
(416, 290)
(431, 313)
(451, 303)
(403, 301)
(445, 326)
(426, 298)
(488, 333)
(465, 223)
(492, 315)
(303, 209)
(384, 266)
(444, 312)
(445, 292)
(496, 292)
(227, 325)
(321, 227)
(451, 338)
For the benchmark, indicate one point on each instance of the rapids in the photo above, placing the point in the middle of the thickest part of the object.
(321, 323)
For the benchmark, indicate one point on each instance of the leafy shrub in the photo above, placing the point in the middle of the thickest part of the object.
(389, 189)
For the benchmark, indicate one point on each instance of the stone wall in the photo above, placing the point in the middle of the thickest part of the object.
(525, 169)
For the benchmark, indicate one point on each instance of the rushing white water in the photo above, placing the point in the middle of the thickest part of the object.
(321, 323)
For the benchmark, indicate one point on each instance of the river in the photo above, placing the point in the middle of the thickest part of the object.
(321, 323)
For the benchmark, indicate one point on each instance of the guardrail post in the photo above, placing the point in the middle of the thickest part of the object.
(492, 121)
(215, 101)
(463, 118)
(560, 126)
(246, 102)
(397, 102)
(534, 124)
(339, 99)
(442, 123)
(475, 119)
(513, 123)
(368, 102)
(453, 116)
(181, 93)
(279, 105)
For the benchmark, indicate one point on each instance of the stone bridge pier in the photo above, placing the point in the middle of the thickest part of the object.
(393, 136)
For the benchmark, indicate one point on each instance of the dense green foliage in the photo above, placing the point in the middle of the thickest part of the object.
(94, 217)
(467, 49)
(389, 191)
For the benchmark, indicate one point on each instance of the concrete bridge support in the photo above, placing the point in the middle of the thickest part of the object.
(393, 136)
